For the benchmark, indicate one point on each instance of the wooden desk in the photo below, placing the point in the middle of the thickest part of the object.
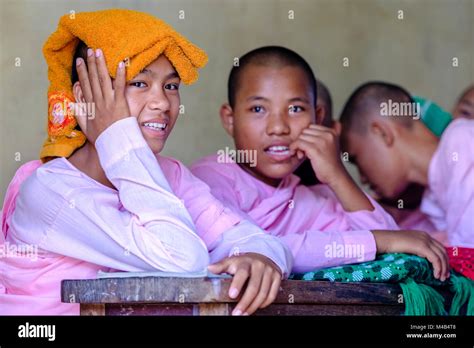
(208, 296)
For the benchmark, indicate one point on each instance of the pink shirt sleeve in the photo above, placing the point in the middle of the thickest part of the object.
(12, 192)
(311, 249)
(142, 227)
(224, 230)
(321, 249)
(350, 241)
(449, 199)
(376, 219)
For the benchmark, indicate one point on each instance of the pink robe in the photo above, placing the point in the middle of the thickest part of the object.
(58, 223)
(310, 220)
(416, 220)
(449, 198)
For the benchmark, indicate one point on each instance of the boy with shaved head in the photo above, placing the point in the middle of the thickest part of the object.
(273, 111)
(394, 149)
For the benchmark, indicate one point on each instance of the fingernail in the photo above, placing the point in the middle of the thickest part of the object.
(98, 52)
(233, 293)
(245, 314)
(78, 61)
(121, 65)
(237, 312)
(89, 52)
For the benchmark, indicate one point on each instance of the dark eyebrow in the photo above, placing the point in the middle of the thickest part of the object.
(300, 99)
(171, 75)
(256, 97)
(145, 71)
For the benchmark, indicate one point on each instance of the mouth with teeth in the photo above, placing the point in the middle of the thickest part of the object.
(278, 152)
(156, 128)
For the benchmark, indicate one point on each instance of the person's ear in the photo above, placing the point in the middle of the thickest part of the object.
(383, 131)
(80, 107)
(227, 118)
(320, 112)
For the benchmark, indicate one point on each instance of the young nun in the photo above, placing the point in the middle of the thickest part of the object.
(272, 113)
(409, 152)
(105, 199)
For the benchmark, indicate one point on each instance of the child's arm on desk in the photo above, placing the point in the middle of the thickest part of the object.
(417, 243)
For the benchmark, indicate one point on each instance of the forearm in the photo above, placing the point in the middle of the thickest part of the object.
(154, 222)
(321, 249)
(349, 194)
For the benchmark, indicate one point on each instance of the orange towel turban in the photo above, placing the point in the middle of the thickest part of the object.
(136, 37)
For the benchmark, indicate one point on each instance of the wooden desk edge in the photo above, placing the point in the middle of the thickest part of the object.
(215, 291)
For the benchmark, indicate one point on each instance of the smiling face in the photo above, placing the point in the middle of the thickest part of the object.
(272, 107)
(153, 98)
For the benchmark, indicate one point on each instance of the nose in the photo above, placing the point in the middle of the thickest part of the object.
(277, 124)
(158, 100)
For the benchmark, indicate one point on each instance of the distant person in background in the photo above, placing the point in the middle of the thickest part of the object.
(465, 104)
(395, 150)
(305, 171)
(405, 208)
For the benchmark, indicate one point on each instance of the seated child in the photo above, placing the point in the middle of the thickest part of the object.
(272, 112)
(393, 150)
(405, 208)
(105, 199)
(465, 104)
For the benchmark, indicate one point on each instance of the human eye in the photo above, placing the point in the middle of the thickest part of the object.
(295, 109)
(138, 84)
(172, 86)
(257, 109)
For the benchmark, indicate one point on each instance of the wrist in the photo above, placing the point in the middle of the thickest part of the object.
(340, 181)
(380, 237)
(265, 259)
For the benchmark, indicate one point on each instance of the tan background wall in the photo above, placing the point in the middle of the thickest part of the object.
(415, 52)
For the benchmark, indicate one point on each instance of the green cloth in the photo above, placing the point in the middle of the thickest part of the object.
(415, 276)
(433, 116)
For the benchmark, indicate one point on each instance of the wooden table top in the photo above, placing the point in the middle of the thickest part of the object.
(211, 290)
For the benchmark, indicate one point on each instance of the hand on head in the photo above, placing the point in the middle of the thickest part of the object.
(96, 85)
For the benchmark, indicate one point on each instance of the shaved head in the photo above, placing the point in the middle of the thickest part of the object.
(325, 97)
(269, 56)
(367, 100)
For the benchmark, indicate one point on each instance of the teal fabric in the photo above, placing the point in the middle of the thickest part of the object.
(415, 276)
(433, 116)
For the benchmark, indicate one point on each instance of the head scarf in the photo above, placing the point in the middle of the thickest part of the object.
(123, 35)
